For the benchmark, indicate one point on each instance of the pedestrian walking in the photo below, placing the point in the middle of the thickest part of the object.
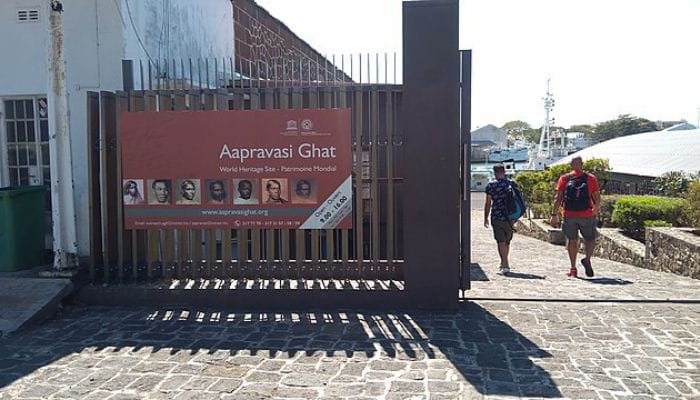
(497, 195)
(579, 193)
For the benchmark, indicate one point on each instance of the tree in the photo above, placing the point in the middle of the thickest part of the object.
(622, 126)
(585, 128)
(532, 135)
(515, 129)
(675, 183)
(515, 126)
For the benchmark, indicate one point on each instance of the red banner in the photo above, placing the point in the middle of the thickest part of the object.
(237, 169)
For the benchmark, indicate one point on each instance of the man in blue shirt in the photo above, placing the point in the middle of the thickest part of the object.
(496, 193)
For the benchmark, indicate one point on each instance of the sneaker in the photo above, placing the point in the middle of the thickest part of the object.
(587, 265)
(573, 273)
(504, 271)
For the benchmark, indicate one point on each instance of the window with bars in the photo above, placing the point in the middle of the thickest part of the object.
(27, 137)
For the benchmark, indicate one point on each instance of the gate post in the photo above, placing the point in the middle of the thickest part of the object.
(431, 165)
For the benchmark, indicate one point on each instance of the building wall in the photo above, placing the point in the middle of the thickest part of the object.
(266, 48)
(618, 183)
(92, 41)
(183, 30)
(492, 133)
(98, 34)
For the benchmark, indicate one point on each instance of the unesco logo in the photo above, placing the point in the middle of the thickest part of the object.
(307, 125)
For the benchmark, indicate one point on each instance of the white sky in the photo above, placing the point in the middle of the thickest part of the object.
(604, 57)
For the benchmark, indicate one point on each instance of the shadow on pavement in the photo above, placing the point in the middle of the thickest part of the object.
(521, 275)
(99, 343)
(476, 273)
(607, 281)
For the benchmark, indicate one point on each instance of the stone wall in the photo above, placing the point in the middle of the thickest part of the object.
(613, 245)
(675, 250)
(540, 229)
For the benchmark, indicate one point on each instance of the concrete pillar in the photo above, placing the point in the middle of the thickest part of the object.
(431, 164)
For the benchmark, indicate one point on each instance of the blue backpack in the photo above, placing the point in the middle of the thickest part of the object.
(515, 204)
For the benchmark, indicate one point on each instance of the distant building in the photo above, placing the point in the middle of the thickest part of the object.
(491, 133)
(485, 139)
(577, 140)
(635, 160)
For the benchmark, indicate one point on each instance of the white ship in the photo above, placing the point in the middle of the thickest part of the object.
(516, 154)
(480, 176)
(552, 146)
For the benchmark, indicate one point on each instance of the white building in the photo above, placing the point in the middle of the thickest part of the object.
(98, 35)
(577, 140)
(636, 159)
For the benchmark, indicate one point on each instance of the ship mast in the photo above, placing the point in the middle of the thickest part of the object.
(544, 149)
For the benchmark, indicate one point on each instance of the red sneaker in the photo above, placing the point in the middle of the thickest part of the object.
(573, 273)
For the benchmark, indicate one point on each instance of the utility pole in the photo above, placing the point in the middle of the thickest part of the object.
(65, 245)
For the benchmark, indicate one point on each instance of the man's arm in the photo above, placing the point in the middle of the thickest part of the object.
(558, 199)
(487, 209)
(595, 196)
(554, 221)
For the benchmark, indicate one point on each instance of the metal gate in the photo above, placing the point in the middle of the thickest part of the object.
(405, 247)
(369, 256)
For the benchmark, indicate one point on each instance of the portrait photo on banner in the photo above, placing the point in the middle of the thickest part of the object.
(159, 191)
(304, 191)
(275, 191)
(217, 192)
(246, 191)
(132, 192)
(189, 192)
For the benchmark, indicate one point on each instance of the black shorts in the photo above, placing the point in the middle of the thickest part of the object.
(502, 231)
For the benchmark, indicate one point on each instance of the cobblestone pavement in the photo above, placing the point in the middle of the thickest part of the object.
(499, 346)
(490, 349)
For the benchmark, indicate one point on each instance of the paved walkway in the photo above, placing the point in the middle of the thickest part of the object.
(498, 348)
(539, 273)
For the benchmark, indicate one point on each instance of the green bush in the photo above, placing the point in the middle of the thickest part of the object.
(599, 167)
(540, 210)
(607, 204)
(527, 180)
(555, 171)
(630, 212)
(656, 223)
(694, 200)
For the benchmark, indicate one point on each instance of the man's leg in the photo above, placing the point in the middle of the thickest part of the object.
(503, 237)
(589, 232)
(570, 229)
(503, 248)
(572, 248)
(590, 248)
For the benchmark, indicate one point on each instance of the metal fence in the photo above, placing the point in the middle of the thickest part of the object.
(214, 73)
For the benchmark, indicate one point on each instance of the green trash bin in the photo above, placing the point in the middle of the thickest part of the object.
(22, 227)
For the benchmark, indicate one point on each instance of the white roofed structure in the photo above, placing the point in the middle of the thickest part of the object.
(648, 154)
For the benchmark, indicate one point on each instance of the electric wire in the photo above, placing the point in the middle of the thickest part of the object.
(138, 37)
